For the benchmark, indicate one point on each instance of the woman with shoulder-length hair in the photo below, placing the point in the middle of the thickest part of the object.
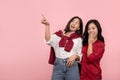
(93, 49)
(66, 49)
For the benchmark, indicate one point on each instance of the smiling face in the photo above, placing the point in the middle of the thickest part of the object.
(74, 25)
(92, 29)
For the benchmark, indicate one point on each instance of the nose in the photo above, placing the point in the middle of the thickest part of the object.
(90, 31)
(73, 24)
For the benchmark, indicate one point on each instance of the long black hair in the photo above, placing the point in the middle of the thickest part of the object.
(85, 35)
(80, 31)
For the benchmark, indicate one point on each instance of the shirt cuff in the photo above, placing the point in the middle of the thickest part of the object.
(47, 42)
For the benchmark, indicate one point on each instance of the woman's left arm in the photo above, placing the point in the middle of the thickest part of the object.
(77, 56)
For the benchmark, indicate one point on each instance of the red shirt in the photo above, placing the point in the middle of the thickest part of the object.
(91, 64)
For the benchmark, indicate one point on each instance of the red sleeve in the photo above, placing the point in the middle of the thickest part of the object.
(98, 50)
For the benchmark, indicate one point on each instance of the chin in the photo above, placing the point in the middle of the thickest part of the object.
(73, 30)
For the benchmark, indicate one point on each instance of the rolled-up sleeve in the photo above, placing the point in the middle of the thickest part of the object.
(52, 40)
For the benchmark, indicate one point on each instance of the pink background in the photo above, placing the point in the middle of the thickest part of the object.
(23, 53)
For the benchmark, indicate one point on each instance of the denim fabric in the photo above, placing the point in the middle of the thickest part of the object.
(62, 72)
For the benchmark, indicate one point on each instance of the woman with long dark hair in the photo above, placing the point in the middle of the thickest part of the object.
(66, 49)
(93, 49)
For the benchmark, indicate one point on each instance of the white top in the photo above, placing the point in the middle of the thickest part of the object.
(60, 52)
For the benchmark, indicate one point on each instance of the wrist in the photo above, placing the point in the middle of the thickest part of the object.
(47, 25)
(76, 57)
(90, 44)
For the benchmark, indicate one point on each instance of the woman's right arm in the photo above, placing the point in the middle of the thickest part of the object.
(47, 28)
(47, 33)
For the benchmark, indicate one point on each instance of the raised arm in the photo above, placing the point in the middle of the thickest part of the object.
(91, 40)
(47, 28)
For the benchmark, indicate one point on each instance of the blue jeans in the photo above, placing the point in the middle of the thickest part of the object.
(62, 72)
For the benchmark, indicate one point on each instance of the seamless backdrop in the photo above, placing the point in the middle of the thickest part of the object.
(23, 52)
